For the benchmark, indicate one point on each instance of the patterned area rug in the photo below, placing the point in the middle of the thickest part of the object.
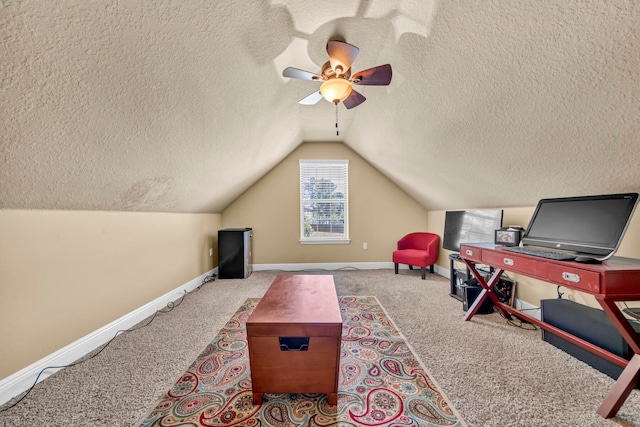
(382, 382)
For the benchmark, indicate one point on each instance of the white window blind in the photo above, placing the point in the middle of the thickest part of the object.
(324, 207)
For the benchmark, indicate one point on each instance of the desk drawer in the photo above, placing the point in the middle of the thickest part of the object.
(473, 254)
(515, 263)
(575, 278)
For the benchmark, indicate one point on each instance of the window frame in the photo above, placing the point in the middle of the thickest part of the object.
(305, 166)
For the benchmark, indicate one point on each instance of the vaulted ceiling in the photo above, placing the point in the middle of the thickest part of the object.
(180, 106)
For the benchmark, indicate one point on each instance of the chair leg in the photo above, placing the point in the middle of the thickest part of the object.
(396, 267)
(423, 271)
(431, 269)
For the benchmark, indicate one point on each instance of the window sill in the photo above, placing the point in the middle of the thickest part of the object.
(325, 242)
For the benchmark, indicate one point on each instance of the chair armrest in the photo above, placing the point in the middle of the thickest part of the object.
(434, 244)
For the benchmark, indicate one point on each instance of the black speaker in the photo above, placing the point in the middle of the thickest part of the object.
(470, 294)
(234, 253)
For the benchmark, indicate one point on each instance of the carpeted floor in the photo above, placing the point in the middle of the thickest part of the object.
(494, 374)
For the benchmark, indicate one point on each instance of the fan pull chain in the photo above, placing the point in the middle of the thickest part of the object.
(337, 131)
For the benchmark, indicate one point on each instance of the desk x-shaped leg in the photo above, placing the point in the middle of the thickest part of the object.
(631, 373)
(487, 291)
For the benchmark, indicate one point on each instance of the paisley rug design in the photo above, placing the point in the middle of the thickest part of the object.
(382, 382)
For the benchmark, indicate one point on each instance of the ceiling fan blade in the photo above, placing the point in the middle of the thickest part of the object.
(311, 99)
(295, 73)
(376, 76)
(353, 100)
(341, 55)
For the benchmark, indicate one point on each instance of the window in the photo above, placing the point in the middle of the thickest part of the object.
(324, 213)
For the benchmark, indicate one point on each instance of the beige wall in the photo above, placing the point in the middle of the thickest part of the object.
(379, 212)
(65, 274)
(531, 290)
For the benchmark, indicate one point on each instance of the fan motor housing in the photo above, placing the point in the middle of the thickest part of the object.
(328, 73)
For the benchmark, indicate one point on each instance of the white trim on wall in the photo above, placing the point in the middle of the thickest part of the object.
(340, 266)
(22, 380)
(532, 310)
(321, 266)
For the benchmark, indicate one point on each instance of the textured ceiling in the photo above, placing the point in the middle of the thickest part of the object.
(180, 106)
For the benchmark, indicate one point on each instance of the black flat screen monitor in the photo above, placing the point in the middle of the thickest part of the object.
(473, 226)
(592, 225)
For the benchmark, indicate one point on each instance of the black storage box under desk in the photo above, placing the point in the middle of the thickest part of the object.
(589, 324)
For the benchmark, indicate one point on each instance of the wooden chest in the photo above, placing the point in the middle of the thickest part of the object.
(294, 337)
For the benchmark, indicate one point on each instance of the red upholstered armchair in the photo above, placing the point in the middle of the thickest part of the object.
(419, 249)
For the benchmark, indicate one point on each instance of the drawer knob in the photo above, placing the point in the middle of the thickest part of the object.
(571, 277)
(468, 252)
(507, 261)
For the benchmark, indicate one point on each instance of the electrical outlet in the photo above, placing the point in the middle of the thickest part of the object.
(210, 251)
(365, 245)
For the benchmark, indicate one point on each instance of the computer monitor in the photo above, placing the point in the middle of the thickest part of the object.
(592, 225)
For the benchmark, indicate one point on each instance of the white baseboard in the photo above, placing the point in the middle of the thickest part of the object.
(530, 309)
(321, 266)
(22, 380)
(442, 271)
(338, 266)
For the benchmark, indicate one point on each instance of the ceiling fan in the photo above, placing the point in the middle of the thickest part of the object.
(337, 80)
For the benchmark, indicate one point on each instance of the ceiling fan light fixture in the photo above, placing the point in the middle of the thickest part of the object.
(335, 90)
(336, 78)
